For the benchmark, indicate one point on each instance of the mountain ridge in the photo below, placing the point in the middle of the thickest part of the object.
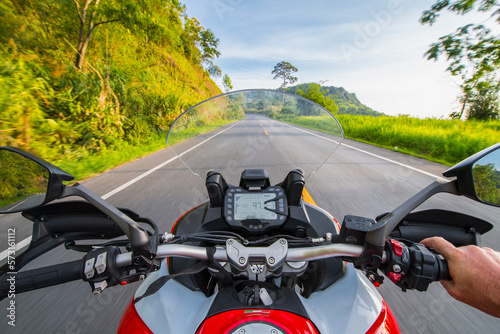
(347, 103)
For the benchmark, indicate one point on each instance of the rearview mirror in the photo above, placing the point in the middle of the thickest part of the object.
(486, 175)
(27, 181)
(478, 177)
(24, 182)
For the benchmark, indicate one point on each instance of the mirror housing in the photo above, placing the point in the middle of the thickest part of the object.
(55, 176)
(463, 171)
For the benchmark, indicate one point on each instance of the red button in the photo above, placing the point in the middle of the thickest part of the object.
(123, 282)
(394, 277)
(396, 247)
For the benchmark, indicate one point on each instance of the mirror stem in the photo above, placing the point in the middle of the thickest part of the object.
(392, 219)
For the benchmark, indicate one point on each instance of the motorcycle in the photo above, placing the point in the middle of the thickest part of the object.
(256, 256)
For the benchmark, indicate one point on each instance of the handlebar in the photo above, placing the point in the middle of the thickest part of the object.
(293, 255)
(412, 267)
(40, 278)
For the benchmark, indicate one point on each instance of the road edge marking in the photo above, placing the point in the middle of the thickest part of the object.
(374, 155)
(396, 162)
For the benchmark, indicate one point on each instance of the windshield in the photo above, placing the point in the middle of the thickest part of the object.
(255, 129)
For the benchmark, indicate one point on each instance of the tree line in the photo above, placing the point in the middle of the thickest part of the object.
(81, 76)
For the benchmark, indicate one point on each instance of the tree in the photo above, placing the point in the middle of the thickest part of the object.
(200, 45)
(484, 103)
(473, 50)
(486, 181)
(314, 93)
(283, 70)
(214, 70)
(87, 15)
(208, 45)
(226, 82)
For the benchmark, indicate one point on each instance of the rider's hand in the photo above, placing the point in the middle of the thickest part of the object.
(475, 272)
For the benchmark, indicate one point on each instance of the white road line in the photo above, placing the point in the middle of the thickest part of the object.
(15, 206)
(374, 155)
(154, 169)
(19, 246)
(397, 163)
(311, 133)
(27, 241)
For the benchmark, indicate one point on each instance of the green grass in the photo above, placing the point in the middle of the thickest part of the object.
(320, 123)
(191, 132)
(444, 141)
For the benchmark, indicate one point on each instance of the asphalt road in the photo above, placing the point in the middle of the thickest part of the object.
(358, 179)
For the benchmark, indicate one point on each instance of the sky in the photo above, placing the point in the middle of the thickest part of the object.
(373, 48)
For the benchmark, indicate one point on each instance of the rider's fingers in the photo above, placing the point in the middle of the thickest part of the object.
(441, 246)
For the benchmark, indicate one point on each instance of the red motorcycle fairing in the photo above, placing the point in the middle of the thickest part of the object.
(131, 322)
(231, 321)
(255, 321)
(386, 322)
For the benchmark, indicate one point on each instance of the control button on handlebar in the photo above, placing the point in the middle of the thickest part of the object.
(89, 268)
(394, 277)
(100, 263)
(396, 247)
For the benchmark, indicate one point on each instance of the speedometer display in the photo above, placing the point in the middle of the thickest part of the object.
(254, 206)
(255, 211)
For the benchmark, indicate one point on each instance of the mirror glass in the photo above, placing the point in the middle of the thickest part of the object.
(24, 182)
(486, 175)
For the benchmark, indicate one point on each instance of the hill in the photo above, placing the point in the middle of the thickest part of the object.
(346, 102)
(81, 77)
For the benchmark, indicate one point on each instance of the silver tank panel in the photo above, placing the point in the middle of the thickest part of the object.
(352, 305)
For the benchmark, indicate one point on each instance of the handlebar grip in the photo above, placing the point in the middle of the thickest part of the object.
(444, 273)
(40, 278)
(415, 266)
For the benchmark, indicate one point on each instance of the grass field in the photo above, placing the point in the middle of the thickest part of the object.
(445, 141)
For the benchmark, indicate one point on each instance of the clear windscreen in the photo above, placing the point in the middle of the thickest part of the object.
(255, 129)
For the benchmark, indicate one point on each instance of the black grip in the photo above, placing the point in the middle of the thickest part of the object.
(444, 272)
(40, 278)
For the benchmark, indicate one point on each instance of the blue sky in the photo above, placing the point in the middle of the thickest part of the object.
(374, 49)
